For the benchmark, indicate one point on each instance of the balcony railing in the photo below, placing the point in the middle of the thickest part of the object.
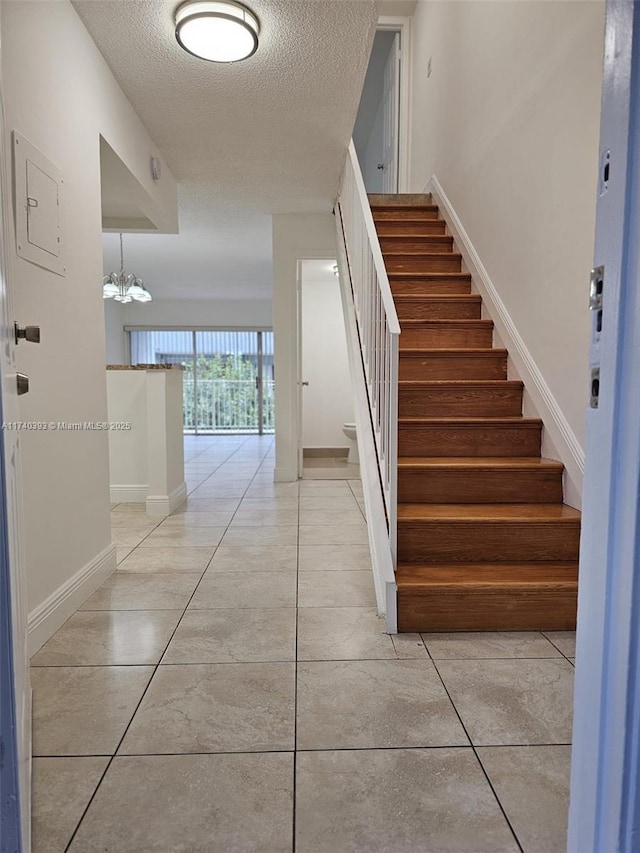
(228, 406)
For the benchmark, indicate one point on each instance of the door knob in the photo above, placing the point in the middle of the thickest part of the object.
(304, 383)
(22, 382)
(28, 333)
(381, 167)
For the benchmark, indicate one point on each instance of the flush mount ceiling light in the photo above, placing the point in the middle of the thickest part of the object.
(217, 31)
(123, 287)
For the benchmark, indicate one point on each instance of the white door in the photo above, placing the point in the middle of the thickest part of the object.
(390, 118)
(10, 510)
(605, 806)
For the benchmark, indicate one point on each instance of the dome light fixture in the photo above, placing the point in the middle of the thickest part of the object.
(217, 31)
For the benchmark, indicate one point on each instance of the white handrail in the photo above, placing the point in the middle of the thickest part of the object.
(378, 330)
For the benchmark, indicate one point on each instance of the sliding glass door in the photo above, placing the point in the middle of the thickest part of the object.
(228, 380)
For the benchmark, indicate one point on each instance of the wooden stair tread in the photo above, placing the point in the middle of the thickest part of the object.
(436, 276)
(479, 462)
(449, 324)
(417, 384)
(413, 254)
(427, 238)
(412, 199)
(420, 575)
(480, 422)
(437, 297)
(454, 352)
(408, 222)
(460, 513)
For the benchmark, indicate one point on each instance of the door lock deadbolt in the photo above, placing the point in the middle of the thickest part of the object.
(28, 333)
(22, 383)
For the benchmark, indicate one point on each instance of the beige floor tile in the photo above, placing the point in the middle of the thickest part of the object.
(328, 502)
(187, 520)
(563, 640)
(207, 505)
(155, 558)
(226, 636)
(324, 487)
(254, 558)
(123, 553)
(265, 535)
(186, 536)
(131, 507)
(269, 503)
(227, 804)
(397, 801)
(342, 633)
(322, 534)
(337, 517)
(489, 644)
(84, 710)
(242, 590)
(336, 589)
(532, 783)
(512, 701)
(110, 637)
(374, 704)
(409, 646)
(266, 490)
(124, 537)
(265, 517)
(314, 558)
(62, 788)
(218, 492)
(126, 591)
(243, 707)
(134, 521)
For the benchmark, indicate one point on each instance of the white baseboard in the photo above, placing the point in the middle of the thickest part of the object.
(45, 619)
(285, 475)
(136, 494)
(566, 443)
(166, 504)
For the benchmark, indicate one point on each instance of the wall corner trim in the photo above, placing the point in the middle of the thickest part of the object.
(46, 618)
(569, 448)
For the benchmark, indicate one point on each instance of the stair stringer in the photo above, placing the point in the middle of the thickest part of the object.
(568, 448)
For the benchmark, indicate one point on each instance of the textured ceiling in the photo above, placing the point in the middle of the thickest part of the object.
(267, 135)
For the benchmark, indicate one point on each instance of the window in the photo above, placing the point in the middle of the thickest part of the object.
(228, 378)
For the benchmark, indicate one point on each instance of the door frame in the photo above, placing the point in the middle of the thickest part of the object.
(15, 693)
(299, 378)
(604, 812)
(402, 25)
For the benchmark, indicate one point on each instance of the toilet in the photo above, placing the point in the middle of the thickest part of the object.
(350, 431)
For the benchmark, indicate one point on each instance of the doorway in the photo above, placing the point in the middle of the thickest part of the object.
(376, 134)
(326, 399)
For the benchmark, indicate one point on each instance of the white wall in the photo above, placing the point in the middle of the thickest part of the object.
(295, 237)
(250, 313)
(60, 94)
(508, 121)
(327, 402)
(115, 344)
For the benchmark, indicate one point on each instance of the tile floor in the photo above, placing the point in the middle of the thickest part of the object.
(231, 688)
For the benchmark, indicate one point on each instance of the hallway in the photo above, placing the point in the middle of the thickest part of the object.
(231, 689)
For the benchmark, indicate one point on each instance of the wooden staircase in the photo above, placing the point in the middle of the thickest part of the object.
(484, 539)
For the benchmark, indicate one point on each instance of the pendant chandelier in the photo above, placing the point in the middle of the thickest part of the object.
(123, 287)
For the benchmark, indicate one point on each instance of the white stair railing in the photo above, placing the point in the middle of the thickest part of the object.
(373, 333)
